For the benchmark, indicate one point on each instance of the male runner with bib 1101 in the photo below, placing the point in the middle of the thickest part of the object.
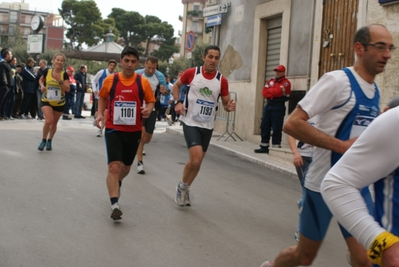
(122, 94)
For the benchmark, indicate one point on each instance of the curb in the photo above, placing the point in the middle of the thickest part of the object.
(268, 164)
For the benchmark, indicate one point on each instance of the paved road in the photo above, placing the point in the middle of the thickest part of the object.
(55, 209)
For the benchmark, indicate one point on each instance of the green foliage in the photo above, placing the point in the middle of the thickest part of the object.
(162, 65)
(197, 53)
(180, 64)
(130, 24)
(85, 23)
(194, 13)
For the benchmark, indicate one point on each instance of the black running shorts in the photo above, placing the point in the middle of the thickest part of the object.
(196, 136)
(121, 146)
(55, 108)
(149, 123)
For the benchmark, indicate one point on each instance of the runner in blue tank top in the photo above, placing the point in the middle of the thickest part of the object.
(343, 103)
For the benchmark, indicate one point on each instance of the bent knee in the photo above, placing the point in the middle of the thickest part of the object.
(114, 167)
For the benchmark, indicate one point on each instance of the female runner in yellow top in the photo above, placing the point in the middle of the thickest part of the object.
(53, 84)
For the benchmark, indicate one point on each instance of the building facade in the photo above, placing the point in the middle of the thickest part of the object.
(309, 37)
(193, 21)
(15, 20)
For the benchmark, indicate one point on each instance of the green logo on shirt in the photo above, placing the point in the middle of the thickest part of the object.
(205, 91)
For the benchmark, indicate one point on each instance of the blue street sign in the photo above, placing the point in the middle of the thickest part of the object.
(214, 20)
(190, 41)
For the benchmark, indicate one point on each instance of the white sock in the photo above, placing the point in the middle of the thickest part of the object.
(184, 186)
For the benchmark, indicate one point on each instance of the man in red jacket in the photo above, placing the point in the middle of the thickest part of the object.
(277, 92)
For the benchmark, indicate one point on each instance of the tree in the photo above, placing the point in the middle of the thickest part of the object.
(198, 52)
(130, 24)
(167, 41)
(136, 29)
(86, 24)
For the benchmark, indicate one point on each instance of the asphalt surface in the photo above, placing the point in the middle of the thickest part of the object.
(55, 207)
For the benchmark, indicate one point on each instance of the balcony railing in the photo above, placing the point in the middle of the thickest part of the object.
(194, 13)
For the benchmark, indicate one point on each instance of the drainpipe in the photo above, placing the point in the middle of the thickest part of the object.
(308, 78)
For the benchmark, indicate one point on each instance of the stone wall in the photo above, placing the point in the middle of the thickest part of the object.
(388, 81)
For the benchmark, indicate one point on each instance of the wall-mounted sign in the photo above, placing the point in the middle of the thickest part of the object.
(190, 41)
(214, 10)
(35, 44)
(214, 20)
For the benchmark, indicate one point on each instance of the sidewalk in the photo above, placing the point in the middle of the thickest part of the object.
(244, 150)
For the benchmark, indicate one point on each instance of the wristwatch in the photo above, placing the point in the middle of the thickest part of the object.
(177, 101)
(61, 82)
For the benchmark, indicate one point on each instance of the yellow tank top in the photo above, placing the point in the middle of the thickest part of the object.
(53, 94)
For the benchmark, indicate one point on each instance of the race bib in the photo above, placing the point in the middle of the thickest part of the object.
(162, 99)
(360, 124)
(203, 110)
(53, 93)
(125, 113)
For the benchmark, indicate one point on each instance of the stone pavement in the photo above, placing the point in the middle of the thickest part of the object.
(244, 150)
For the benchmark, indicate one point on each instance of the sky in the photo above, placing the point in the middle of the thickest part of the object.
(166, 10)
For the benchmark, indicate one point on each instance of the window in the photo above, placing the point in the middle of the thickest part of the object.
(196, 7)
(195, 26)
(11, 30)
(13, 16)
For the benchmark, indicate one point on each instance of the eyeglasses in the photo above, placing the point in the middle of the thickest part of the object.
(381, 47)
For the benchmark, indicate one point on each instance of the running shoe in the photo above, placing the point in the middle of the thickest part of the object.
(42, 145)
(181, 196)
(140, 168)
(169, 119)
(296, 235)
(188, 201)
(143, 153)
(116, 212)
(99, 133)
(267, 264)
(48, 147)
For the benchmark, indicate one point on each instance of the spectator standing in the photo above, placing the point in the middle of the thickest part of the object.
(6, 81)
(9, 100)
(42, 67)
(70, 95)
(182, 96)
(19, 93)
(29, 88)
(164, 100)
(80, 78)
(276, 91)
(96, 84)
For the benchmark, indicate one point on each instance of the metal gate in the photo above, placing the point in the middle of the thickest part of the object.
(273, 46)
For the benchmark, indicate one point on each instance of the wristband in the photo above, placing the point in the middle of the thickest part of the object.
(382, 242)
